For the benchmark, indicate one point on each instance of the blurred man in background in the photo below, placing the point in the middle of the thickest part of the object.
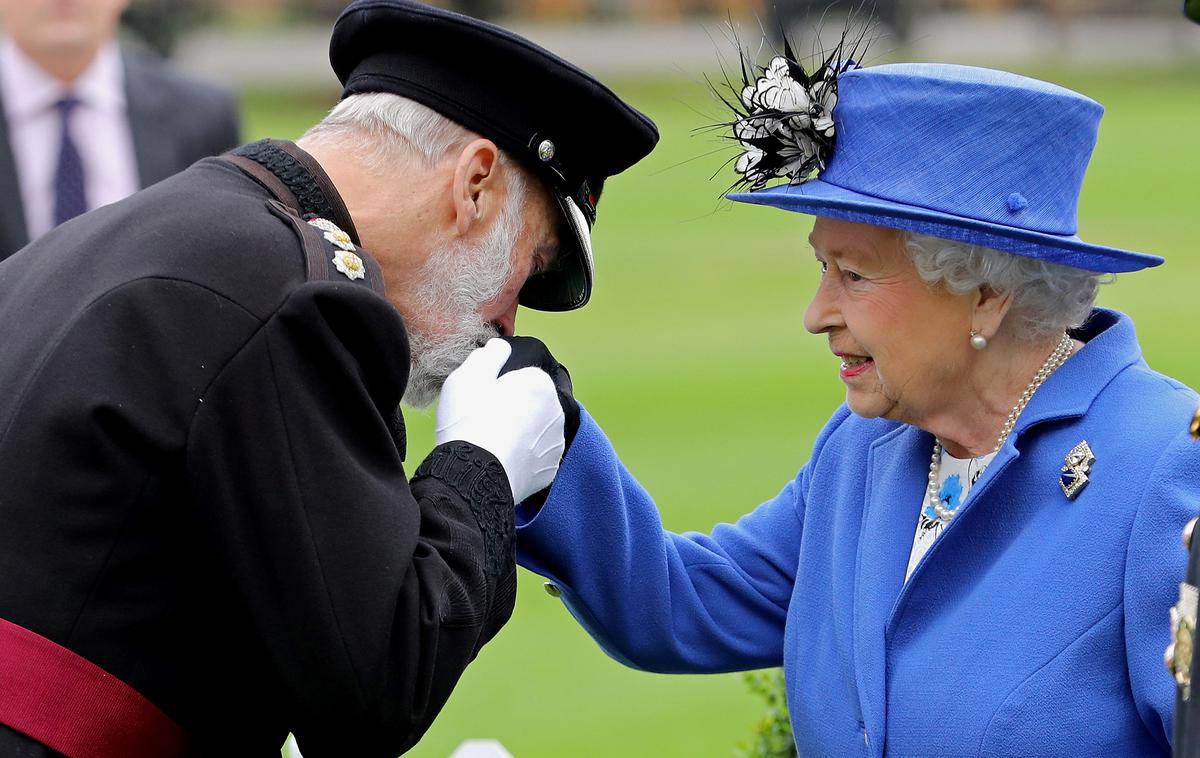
(87, 122)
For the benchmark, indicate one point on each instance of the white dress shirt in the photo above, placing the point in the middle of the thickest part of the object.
(99, 129)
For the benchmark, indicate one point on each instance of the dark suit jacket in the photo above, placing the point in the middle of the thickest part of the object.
(176, 121)
(202, 481)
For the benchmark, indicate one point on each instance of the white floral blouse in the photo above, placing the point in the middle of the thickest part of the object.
(956, 477)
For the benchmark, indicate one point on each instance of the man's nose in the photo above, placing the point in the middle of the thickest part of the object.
(506, 323)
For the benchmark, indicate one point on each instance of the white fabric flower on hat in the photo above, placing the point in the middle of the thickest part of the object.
(748, 129)
(778, 91)
(748, 160)
(787, 129)
(824, 125)
(794, 158)
(825, 100)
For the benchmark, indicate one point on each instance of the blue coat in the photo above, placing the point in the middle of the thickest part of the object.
(1034, 626)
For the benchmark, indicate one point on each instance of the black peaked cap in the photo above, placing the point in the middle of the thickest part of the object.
(556, 118)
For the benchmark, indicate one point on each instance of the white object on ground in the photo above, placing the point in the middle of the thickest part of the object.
(481, 749)
(290, 750)
(469, 749)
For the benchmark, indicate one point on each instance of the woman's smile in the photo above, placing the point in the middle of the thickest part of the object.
(854, 365)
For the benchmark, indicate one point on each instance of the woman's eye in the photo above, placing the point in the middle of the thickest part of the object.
(853, 276)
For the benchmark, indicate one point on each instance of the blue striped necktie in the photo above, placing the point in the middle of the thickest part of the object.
(69, 197)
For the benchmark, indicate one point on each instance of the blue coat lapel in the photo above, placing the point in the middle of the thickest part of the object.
(897, 466)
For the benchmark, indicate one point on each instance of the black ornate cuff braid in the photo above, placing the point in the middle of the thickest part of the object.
(478, 477)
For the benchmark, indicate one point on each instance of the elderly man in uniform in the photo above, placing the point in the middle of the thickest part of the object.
(207, 536)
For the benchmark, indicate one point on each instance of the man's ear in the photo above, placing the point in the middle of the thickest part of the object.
(477, 188)
(991, 306)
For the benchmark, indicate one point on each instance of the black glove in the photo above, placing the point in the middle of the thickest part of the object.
(530, 351)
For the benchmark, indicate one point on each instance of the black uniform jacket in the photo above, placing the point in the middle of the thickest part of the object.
(201, 479)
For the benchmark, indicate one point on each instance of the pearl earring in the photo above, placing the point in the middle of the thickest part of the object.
(978, 341)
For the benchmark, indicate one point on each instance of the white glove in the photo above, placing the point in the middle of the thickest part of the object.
(515, 417)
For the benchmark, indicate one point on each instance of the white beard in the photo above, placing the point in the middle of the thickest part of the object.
(445, 325)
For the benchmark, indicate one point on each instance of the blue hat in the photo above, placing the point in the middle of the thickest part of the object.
(969, 154)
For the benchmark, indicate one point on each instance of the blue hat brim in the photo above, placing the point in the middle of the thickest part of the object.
(819, 198)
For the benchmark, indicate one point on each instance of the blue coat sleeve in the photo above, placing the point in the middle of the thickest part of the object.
(1155, 565)
(652, 599)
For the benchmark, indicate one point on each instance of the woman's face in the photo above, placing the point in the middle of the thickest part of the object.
(904, 344)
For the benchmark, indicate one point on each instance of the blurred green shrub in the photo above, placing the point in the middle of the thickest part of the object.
(773, 733)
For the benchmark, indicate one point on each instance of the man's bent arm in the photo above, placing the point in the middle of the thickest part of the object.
(368, 595)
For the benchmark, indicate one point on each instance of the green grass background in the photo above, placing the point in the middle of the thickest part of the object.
(693, 357)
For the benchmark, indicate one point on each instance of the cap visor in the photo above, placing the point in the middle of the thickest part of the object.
(819, 198)
(569, 285)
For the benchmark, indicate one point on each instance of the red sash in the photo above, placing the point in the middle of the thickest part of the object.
(71, 705)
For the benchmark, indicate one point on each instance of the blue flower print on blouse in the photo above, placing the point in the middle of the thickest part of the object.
(951, 496)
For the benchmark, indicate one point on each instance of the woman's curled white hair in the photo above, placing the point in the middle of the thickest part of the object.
(1048, 298)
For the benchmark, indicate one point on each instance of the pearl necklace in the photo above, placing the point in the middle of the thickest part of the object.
(1057, 358)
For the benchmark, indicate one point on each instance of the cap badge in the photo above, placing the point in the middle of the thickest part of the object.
(545, 151)
(1076, 469)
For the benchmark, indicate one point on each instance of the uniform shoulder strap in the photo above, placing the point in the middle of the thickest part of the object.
(329, 254)
(304, 197)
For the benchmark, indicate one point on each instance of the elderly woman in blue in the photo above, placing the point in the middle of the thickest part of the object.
(980, 555)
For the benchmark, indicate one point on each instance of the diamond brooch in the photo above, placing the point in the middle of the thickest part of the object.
(1075, 471)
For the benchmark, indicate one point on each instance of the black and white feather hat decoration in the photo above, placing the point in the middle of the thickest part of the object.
(783, 114)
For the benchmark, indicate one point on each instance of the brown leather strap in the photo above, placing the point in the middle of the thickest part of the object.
(268, 180)
(316, 257)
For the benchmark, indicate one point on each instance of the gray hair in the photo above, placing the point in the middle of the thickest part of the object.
(1048, 298)
(383, 128)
